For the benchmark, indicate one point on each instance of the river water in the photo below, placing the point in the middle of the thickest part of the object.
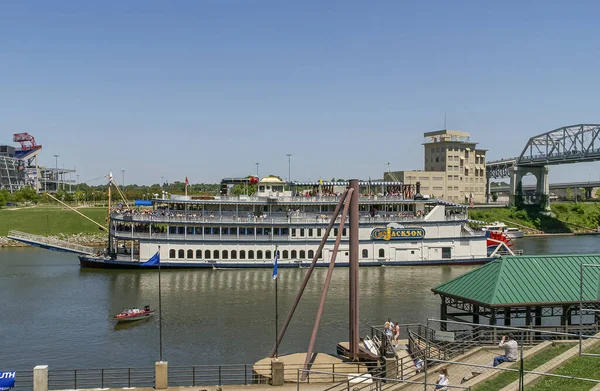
(55, 313)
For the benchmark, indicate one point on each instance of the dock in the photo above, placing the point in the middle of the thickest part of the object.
(321, 362)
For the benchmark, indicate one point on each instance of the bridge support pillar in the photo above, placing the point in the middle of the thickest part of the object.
(542, 190)
(515, 177)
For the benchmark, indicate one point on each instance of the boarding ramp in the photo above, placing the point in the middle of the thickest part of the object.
(49, 243)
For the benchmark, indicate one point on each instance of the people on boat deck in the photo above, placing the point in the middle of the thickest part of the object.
(511, 350)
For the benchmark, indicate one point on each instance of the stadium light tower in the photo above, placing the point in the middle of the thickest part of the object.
(56, 167)
(289, 155)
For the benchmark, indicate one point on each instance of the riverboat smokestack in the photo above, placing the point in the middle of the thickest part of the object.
(418, 195)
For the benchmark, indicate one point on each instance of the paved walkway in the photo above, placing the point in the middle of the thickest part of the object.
(530, 379)
(456, 372)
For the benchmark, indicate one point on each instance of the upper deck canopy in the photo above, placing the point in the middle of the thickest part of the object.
(346, 183)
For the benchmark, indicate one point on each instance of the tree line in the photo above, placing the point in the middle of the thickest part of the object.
(86, 193)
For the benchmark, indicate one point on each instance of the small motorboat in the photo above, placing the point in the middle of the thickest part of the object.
(131, 314)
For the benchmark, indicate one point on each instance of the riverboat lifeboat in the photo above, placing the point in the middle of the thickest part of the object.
(397, 227)
(132, 314)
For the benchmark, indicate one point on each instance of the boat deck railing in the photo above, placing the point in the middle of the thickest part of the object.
(189, 217)
(300, 199)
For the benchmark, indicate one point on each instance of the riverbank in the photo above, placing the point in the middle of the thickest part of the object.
(84, 239)
(51, 220)
(566, 218)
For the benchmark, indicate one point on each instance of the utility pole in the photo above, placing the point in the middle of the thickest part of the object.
(257, 163)
(123, 172)
(289, 155)
(56, 167)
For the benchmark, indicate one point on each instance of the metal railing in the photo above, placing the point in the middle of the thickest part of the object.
(73, 379)
(303, 219)
(289, 199)
(364, 382)
(290, 371)
(423, 339)
(219, 374)
(24, 380)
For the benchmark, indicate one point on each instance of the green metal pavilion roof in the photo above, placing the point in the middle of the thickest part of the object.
(527, 280)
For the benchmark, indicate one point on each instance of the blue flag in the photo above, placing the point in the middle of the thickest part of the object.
(275, 265)
(7, 380)
(155, 260)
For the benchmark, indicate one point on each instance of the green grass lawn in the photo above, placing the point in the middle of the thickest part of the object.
(50, 220)
(585, 367)
(584, 214)
(506, 377)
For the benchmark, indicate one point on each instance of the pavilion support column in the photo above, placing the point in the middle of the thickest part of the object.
(493, 323)
(492, 317)
(476, 314)
(507, 316)
(528, 323)
(443, 314)
(528, 316)
(538, 316)
(564, 316)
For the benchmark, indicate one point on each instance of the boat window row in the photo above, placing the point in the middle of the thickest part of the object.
(315, 232)
(252, 254)
(241, 254)
(234, 231)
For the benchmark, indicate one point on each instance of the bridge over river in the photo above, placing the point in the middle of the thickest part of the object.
(569, 144)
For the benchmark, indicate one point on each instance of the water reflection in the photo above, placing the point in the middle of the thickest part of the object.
(58, 314)
(130, 325)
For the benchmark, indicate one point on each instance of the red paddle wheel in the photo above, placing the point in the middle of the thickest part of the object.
(494, 238)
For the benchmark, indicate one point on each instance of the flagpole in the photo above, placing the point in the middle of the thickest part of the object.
(276, 307)
(159, 311)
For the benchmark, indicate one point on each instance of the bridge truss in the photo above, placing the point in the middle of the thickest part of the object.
(569, 144)
(499, 168)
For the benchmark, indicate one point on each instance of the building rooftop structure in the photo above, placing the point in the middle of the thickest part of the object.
(20, 168)
(454, 168)
(445, 135)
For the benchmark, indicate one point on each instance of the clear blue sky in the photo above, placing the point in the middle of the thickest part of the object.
(205, 89)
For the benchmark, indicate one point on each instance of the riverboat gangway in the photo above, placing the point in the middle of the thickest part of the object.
(49, 243)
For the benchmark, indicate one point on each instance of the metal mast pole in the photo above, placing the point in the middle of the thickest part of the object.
(159, 312)
(354, 286)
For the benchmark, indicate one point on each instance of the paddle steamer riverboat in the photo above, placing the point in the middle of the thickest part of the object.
(242, 231)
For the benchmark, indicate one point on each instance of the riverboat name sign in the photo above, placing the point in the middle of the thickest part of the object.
(390, 233)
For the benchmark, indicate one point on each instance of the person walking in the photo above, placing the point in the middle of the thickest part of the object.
(396, 333)
(442, 383)
(511, 350)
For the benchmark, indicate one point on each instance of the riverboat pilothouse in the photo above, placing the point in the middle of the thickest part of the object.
(397, 227)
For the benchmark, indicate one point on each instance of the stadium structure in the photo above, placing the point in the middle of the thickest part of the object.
(19, 167)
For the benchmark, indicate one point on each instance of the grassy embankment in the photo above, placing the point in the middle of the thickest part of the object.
(50, 220)
(584, 367)
(506, 377)
(570, 217)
